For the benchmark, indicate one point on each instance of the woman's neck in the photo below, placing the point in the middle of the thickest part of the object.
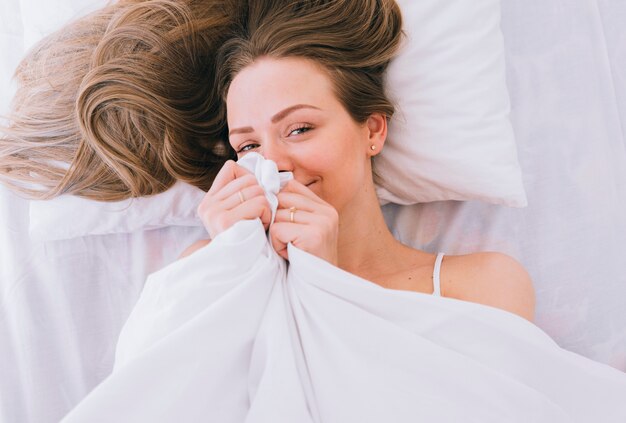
(365, 245)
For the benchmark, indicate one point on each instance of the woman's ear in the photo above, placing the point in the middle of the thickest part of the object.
(377, 132)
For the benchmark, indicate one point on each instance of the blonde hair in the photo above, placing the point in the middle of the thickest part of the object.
(120, 103)
(354, 40)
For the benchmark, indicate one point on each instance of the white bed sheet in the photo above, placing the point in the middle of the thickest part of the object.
(63, 303)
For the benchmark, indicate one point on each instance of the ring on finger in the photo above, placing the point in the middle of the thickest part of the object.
(241, 197)
(292, 213)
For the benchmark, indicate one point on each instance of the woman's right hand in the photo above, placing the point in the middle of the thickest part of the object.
(235, 195)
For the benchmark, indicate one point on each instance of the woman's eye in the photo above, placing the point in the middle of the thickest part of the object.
(300, 130)
(247, 147)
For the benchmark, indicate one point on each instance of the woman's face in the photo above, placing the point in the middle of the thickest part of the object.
(286, 110)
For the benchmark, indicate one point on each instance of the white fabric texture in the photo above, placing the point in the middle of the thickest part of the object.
(266, 172)
(67, 216)
(228, 335)
(451, 137)
(63, 303)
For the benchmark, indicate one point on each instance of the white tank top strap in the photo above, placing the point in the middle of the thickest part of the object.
(436, 273)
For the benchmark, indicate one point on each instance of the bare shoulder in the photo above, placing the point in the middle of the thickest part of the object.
(489, 278)
(194, 247)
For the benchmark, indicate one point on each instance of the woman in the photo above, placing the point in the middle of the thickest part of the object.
(303, 86)
(122, 103)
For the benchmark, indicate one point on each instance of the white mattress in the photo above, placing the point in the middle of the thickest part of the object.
(62, 303)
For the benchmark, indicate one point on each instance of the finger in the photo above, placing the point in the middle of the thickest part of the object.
(282, 251)
(286, 232)
(252, 208)
(279, 238)
(257, 207)
(287, 200)
(229, 172)
(296, 216)
(224, 176)
(266, 214)
(234, 193)
(239, 190)
(236, 185)
(294, 186)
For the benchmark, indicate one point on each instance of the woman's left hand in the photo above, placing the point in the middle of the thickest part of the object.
(307, 221)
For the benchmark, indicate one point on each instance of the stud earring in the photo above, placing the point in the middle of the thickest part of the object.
(372, 147)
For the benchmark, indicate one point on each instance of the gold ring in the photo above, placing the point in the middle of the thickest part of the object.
(241, 197)
(292, 212)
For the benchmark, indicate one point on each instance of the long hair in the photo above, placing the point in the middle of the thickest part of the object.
(120, 103)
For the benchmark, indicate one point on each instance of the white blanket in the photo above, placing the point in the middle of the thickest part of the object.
(234, 334)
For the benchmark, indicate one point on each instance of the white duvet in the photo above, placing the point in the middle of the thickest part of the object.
(233, 333)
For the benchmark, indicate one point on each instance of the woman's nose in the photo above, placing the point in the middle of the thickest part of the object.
(278, 154)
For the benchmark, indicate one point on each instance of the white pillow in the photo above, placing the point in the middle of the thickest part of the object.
(451, 138)
(67, 216)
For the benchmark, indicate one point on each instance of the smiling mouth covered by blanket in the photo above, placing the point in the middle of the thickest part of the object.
(233, 333)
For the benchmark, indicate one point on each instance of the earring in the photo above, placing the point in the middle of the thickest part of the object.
(372, 147)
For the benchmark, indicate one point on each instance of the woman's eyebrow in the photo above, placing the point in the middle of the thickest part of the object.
(276, 118)
(283, 113)
(244, 130)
